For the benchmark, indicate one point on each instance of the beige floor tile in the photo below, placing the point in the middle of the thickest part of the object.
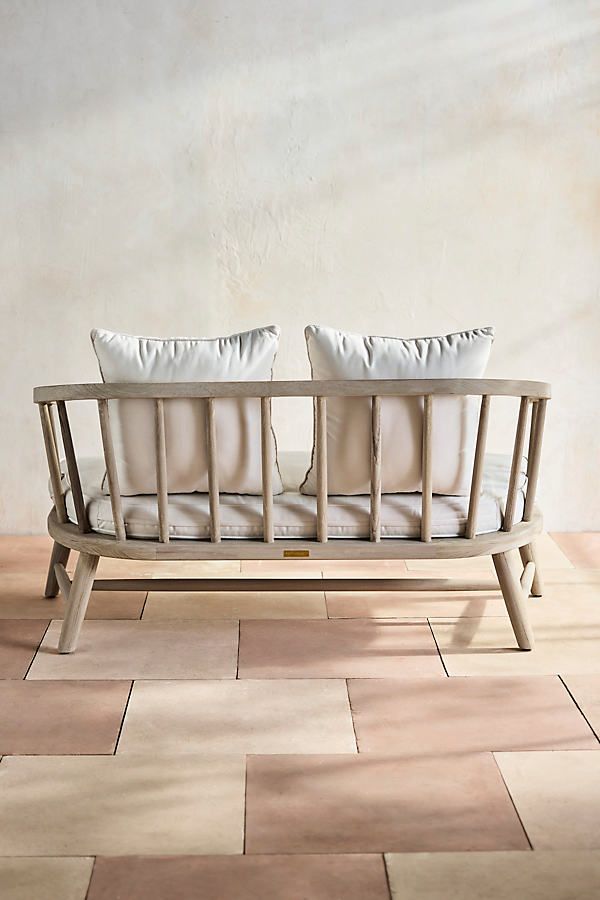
(128, 650)
(503, 875)
(549, 555)
(571, 576)
(566, 625)
(288, 716)
(21, 597)
(197, 568)
(364, 568)
(124, 568)
(557, 795)
(586, 691)
(474, 566)
(121, 805)
(236, 605)
(582, 549)
(43, 878)
(413, 604)
(282, 568)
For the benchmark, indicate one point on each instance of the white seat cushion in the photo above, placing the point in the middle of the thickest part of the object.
(337, 355)
(241, 357)
(295, 513)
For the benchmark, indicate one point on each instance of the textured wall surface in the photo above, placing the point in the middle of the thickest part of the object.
(181, 167)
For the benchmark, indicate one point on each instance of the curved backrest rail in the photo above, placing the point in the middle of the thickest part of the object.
(495, 387)
(530, 393)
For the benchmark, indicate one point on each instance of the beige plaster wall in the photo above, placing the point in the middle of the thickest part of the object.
(388, 166)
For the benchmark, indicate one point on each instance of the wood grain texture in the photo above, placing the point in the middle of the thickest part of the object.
(375, 513)
(162, 493)
(53, 461)
(427, 470)
(478, 466)
(535, 457)
(213, 474)
(515, 469)
(266, 445)
(65, 428)
(111, 470)
(321, 451)
(495, 387)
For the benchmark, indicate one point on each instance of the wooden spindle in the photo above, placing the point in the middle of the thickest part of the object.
(426, 470)
(72, 468)
(375, 517)
(111, 470)
(266, 443)
(161, 471)
(53, 462)
(534, 412)
(533, 468)
(515, 469)
(213, 474)
(321, 451)
(478, 465)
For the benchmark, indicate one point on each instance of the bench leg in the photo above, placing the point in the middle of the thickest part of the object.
(515, 601)
(79, 596)
(528, 555)
(60, 555)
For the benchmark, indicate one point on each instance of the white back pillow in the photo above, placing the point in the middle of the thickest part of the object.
(240, 357)
(338, 355)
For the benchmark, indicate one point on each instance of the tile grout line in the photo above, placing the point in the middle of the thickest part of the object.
(87, 893)
(346, 680)
(387, 875)
(514, 805)
(566, 687)
(437, 646)
(32, 660)
(143, 607)
(114, 753)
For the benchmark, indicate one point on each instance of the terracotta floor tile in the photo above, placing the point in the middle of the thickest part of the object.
(21, 597)
(43, 878)
(121, 805)
(583, 548)
(557, 795)
(19, 640)
(413, 604)
(239, 717)
(238, 605)
(128, 650)
(465, 715)
(586, 691)
(61, 717)
(25, 553)
(337, 648)
(371, 803)
(566, 625)
(356, 877)
(507, 875)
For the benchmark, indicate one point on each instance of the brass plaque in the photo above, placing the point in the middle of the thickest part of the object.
(295, 553)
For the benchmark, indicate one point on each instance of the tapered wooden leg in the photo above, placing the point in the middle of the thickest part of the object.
(515, 601)
(59, 554)
(528, 555)
(79, 596)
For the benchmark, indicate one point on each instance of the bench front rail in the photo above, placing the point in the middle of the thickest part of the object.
(528, 436)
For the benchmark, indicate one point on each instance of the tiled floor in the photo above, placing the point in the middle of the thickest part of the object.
(320, 745)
